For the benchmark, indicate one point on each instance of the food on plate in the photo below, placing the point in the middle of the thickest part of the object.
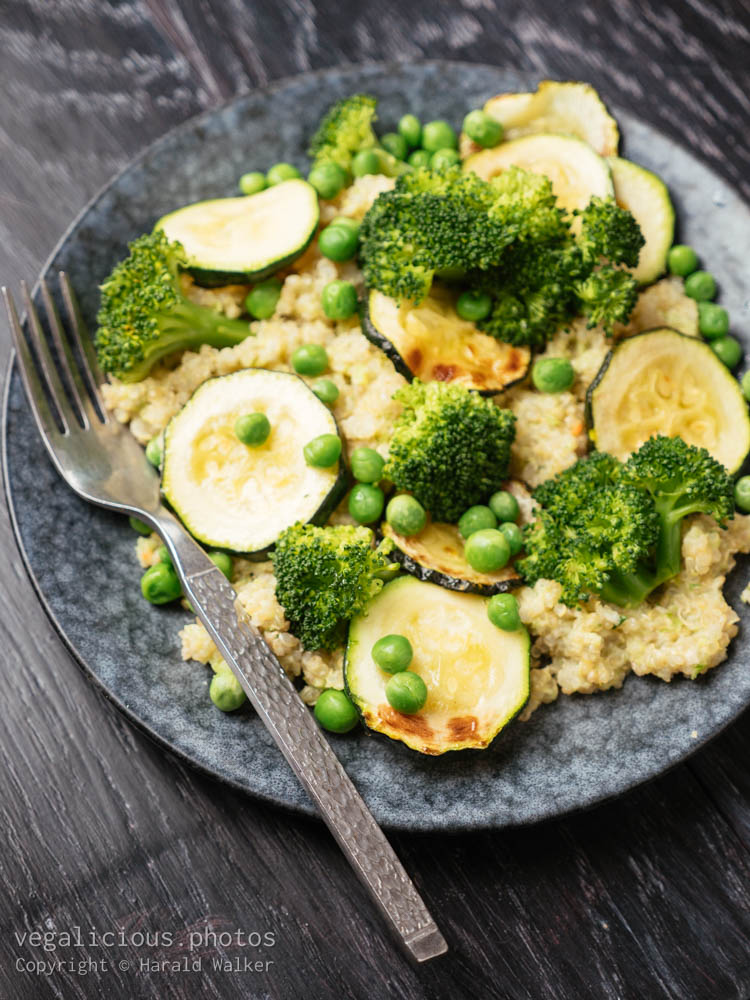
(645, 195)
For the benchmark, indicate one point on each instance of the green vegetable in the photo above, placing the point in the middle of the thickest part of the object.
(614, 529)
(487, 550)
(351, 225)
(410, 127)
(406, 515)
(328, 179)
(474, 306)
(335, 712)
(742, 494)
(552, 374)
(406, 692)
(700, 285)
(310, 359)
(162, 555)
(504, 506)
(450, 447)
(419, 158)
(262, 301)
(339, 299)
(366, 503)
(746, 385)
(393, 653)
(728, 350)
(713, 320)
(160, 584)
(476, 519)
(513, 536)
(252, 429)
(280, 172)
(224, 562)
(226, 691)
(154, 450)
(252, 182)
(443, 158)
(338, 242)
(326, 391)
(323, 451)
(346, 130)
(438, 135)
(483, 129)
(682, 260)
(366, 465)
(395, 144)
(144, 315)
(140, 526)
(502, 611)
(645, 195)
(366, 162)
(324, 577)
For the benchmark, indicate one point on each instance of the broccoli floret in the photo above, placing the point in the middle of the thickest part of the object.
(346, 129)
(613, 529)
(450, 447)
(144, 316)
(610, 233)
(324, 577)
(607, 297)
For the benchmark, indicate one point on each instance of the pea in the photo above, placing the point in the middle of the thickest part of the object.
(339, 299)
(335, 712)
(504, 506)
(262, 301)
(406, 692)
(323, 451)
(713, 320)
(252, 429)
(366, 465)
(502, 611)
(728, 350)
(473, 306)
(281, 172)
(682, 260)
(310, 359)
(348, 223)
(443, 158)
(552, 374)
(483, 129)
(160, 584)
(226, 691)
(140, 526)
(338, 242)
(700, 285)
(252, 182)
(366, 161)
(742, 494)
(395, 144)
(393, 653)
(410, 127)
(487, 550)
(476, 519)
(406, 515)
(328, 179)
(746, 385)
(366, 503)
(438, 135)
(154, 450)
(326, 391)
(513, 536)
(223, 561)
(419, 158)
(162, 555)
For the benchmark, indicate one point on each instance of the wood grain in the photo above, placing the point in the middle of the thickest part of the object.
(646, 897)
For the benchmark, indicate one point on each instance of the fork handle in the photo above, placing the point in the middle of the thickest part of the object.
(300, 740)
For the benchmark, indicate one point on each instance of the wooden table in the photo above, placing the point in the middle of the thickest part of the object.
(644, 898)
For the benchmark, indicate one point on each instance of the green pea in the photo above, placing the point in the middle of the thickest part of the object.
(474, 306)
(406, 515)
(223, 561)
(393, 653)
(513, 536)
(154, 450)
(483, 129)
(419, 158)
(280, 172)
(406, 692)
(552, 374)
(502, 611)
(746, 385)
(713, 320)
(252, 429)
(348, 223)
(728, 350)
(338, 242)
(438, 135)
(395, 144)
(252, 182)
(366, 161)
(323, 451)
(742, 494)
(226, 691)
(443, 158)
(310, 359)
(366, 465)
(504, 506)
(161, 555)
(140, 526)
(339, 299)
(700, 285)
(328, 179)
(335, 712)
(487, 550)
(326, 391)
(682, 260)
(476, 519)
(366, 503)
(160, 584)
(410, 127)
(262, 301)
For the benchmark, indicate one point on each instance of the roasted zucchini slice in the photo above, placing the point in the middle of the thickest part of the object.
(240, 498)
(662, 382)
(477, 676)
(240, 240)
(431, 342)
(646, 196)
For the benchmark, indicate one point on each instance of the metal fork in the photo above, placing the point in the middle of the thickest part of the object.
(102, 462)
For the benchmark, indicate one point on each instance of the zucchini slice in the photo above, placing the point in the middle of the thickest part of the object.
(477, 676)
(240, 498)
(646, 196)
(431, 342)
(576, 171)
(238, 240)
(662, 382)
(436, 555)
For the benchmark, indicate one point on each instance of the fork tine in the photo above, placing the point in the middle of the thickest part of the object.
(34, 391)
(46, 362)
(94, 375)
(84, 409)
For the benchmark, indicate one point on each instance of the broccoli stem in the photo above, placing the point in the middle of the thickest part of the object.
(629, 589)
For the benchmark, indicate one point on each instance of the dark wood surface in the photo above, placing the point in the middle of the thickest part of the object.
(647, 897)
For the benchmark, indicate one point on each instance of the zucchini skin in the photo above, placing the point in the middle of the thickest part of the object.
(207, 278)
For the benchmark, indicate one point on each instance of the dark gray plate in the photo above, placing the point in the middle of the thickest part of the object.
(572, 754)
